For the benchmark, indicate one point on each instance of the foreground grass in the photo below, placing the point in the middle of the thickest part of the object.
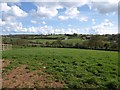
(77, 68)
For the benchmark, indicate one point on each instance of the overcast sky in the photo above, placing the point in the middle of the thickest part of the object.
(83, 17)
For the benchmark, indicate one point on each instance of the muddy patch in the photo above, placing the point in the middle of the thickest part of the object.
(22, 77)
(5, 63)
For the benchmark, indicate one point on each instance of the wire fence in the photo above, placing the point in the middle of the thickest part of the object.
(5, 46)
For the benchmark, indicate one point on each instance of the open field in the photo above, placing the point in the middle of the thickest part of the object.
(75, 68)
(60, 44)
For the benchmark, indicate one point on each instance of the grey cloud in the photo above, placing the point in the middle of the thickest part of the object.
(104, 7)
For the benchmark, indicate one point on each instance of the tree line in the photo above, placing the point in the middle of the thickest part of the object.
(101, 42)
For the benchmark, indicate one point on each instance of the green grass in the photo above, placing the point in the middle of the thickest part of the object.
(42, 40)
(73, 41)
(56, 36)
(68, 41)
(78, 68)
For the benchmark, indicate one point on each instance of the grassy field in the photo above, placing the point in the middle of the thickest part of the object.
(73, 41)
(42, 40)
(77, 68)
(69, 41)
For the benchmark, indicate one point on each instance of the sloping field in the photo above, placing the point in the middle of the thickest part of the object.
(75, 68)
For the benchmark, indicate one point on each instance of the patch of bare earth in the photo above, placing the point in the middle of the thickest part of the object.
(21, 77)
(5, 63)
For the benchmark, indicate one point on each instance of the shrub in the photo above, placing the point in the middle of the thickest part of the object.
(91, 80)
(112, 85)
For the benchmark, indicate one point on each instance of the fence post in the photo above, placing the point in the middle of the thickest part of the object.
(5, 46)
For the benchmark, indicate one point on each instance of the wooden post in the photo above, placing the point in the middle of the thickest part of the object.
(5, 46)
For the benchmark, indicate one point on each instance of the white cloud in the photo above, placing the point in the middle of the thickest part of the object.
(74, 3)
(2, 22)
(70, 13)
(71, 31)
(15, 1)
(47, 10)
(73, 13)
(110, 1)
(4, 7)
(17, 11)
(45, 29)
(32, 30)
(107, 23)
(84, 19)
(43, 22)
(13, 10)
(17, 27)
(63, 17)
(113, 1)
(93, 21)
(8, 18)
(33, 22)
(59, 31)
(10, 25)
(50, 10)
(104, 7)
(66, 31)
(105, 27)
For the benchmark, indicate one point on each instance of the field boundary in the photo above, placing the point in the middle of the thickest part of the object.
(5, 46)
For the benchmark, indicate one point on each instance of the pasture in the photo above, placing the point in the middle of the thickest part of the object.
(76, 68)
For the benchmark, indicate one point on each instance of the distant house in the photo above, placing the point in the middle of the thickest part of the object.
(86, 37)
(66, 38)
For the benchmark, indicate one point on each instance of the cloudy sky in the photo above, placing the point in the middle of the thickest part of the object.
(77, 16)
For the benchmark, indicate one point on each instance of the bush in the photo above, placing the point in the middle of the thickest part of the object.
(74, 85)
(91, 80)
(112, 85)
